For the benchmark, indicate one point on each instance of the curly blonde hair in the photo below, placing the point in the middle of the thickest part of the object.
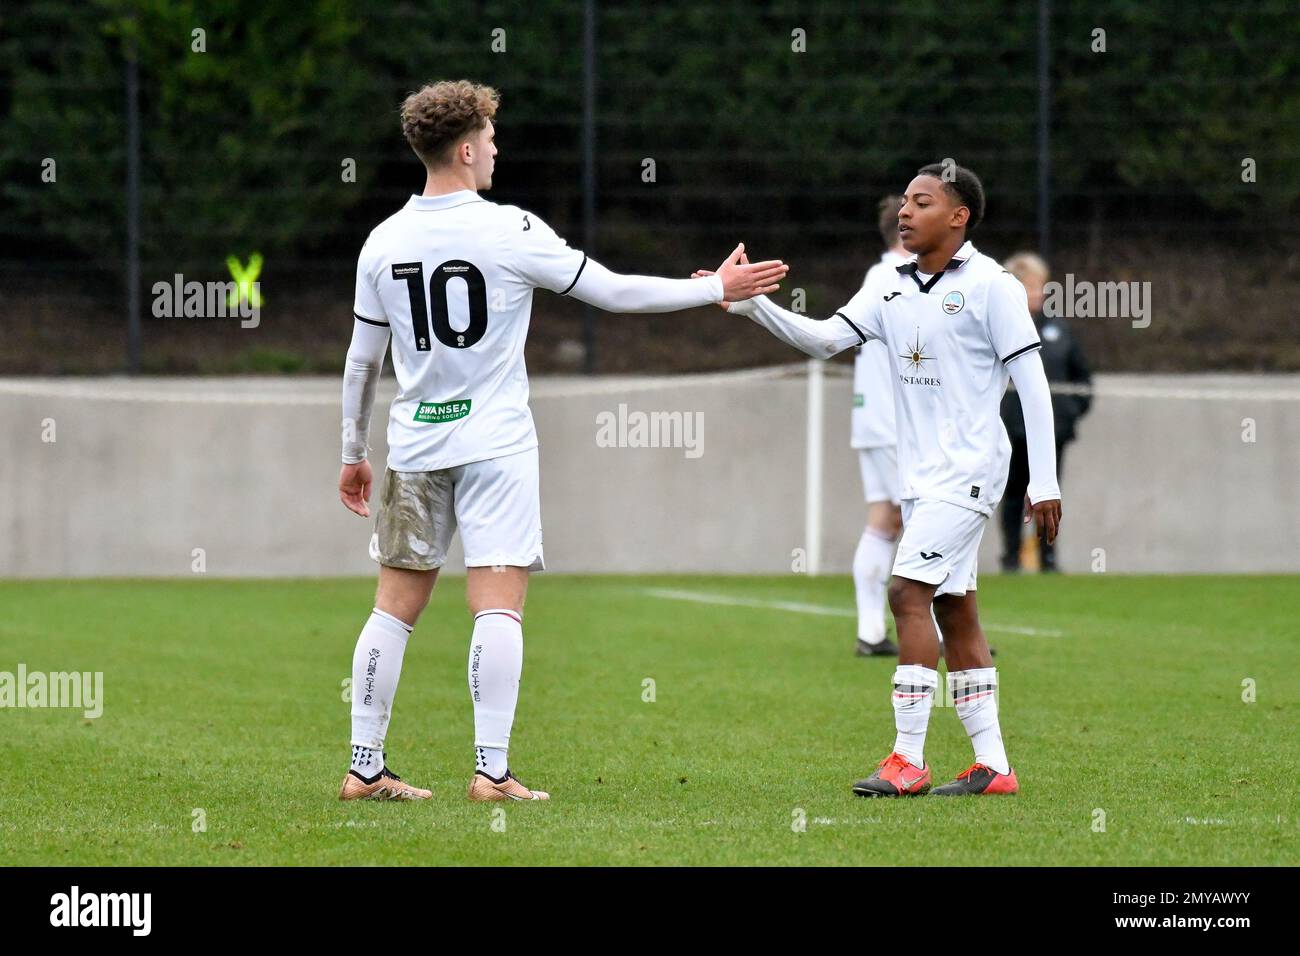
(439, 114)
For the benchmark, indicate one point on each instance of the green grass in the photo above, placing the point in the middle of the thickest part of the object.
(226, 697)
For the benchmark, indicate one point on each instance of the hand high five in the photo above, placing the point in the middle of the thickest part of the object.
(742, 279)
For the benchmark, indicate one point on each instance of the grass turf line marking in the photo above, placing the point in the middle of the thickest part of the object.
(798, 607)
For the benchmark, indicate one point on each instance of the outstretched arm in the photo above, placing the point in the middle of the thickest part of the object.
(613, 292)
(1040, 436)
(543, 260)
(818, 338)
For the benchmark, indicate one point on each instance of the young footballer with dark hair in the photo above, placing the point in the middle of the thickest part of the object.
(957, 326)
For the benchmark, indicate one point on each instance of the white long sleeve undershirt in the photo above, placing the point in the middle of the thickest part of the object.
(360, 379)
(1040, 433)
(615, 292)
(820, 338)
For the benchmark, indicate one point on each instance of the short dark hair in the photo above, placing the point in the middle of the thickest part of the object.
(887, 219)
(962, 185)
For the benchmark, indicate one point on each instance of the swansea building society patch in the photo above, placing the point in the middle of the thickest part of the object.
(442, 411)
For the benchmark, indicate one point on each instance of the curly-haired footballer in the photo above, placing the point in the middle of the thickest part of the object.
(450, 277)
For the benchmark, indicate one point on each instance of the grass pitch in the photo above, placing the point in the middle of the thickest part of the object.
(223, 706)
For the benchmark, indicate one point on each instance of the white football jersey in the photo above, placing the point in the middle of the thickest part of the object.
(872, 419)
(453, 276)
(948, 340)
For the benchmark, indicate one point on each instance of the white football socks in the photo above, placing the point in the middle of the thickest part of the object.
(376, 666)
(496, 659)
(975, 694)
(367, 761)
(913, 698)
(872, 562)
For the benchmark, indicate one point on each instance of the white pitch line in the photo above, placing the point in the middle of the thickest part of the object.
(798, 607)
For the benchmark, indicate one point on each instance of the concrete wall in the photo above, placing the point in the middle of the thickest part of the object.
(140, 473)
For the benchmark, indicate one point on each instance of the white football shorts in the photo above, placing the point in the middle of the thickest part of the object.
(940, 544)
(879, 473)
(495, 503)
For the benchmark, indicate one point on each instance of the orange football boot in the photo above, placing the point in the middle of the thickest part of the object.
(895, 777)
(977, 779)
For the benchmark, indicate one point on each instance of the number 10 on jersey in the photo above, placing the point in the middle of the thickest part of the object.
(434, 308)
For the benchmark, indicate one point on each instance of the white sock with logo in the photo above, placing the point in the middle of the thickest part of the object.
(975, 694)
(376, 667)
(367, 761)
(872, 562)
(913, 698)
(496, 660)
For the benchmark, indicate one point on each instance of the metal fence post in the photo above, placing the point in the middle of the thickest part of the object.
(1044, 131)
(132, 205)
(589, 170)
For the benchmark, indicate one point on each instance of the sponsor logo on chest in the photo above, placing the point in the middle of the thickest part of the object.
(918, 366)
(918, 363)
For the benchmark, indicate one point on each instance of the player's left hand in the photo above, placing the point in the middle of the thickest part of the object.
(354, 487)
(1046, 515)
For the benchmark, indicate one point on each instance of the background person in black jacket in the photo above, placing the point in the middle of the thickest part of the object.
(1064, 362)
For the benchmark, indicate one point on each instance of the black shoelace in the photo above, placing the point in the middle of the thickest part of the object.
(388, 773)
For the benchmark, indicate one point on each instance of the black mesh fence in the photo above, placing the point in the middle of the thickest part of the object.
(271, 129)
